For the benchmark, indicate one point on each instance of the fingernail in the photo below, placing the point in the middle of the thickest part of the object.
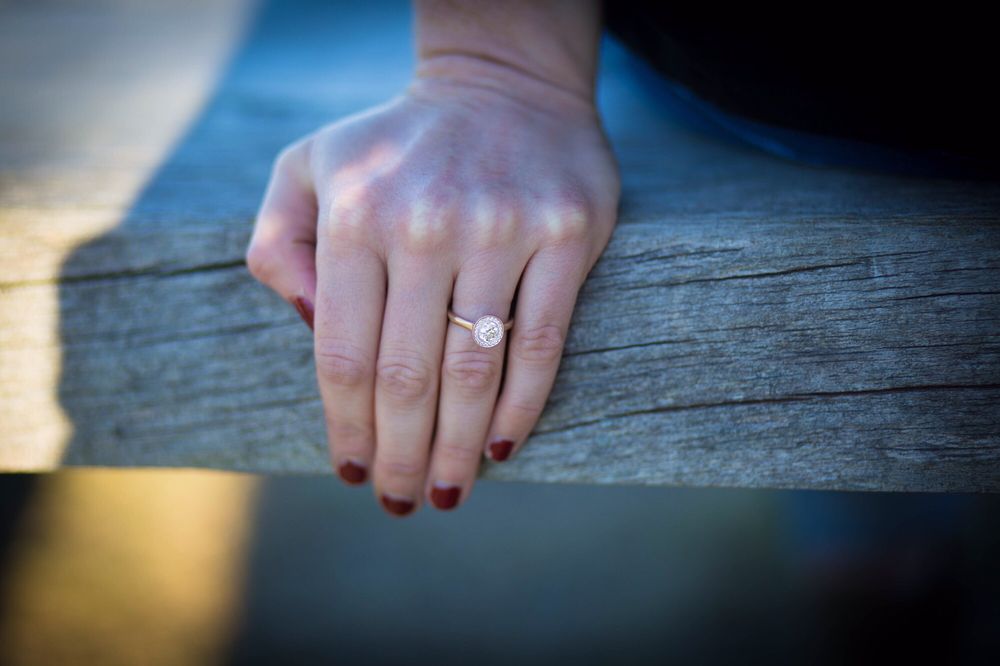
(305, 310)
(500, 449)
(352, 472)
(445, 497)
(397, 505)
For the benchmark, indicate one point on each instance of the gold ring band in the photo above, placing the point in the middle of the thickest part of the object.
(487, 331)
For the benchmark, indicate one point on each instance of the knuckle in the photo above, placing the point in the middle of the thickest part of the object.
(494, 218)
(352, 209)
(345, 224)
(261, 261)
(400, 467)
(434, 214)
(539, 345)
(284, 158)
(340, 363)
(425, 232)
(573, 203)
(472, 370)
(567, 216)
(452, 452)
(530, 410)
(404, 376)
(288, 164)
(349, 437)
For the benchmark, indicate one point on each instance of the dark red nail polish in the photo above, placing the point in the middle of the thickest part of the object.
(352, 473)
(305, 310)
(501, 448)
(399, 507)
(445, 498)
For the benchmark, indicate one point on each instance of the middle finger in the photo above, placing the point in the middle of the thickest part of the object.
(470, 378)
(407, 376)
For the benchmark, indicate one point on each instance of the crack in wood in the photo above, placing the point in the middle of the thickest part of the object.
(741, 276)
(943, 294)
(785, 399)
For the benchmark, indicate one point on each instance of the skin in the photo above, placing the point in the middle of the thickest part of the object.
(488, 179)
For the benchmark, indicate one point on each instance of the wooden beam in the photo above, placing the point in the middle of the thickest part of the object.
(752, 323)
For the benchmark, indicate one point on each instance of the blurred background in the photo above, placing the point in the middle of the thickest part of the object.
(103, 566)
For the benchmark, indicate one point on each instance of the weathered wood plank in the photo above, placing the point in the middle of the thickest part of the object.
(752, 322)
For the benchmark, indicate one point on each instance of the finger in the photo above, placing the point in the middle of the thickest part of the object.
(470, 380)
(407, 377)
(350, 294)
(282, 250)
(545, 301)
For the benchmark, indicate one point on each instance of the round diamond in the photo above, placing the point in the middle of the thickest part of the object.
(488, 331)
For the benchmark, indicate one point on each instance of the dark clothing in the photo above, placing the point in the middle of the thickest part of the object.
(919, 82)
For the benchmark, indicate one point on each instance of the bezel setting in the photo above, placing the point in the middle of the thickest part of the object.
(488, 331)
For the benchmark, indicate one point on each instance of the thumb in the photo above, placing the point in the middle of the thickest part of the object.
(282, 250)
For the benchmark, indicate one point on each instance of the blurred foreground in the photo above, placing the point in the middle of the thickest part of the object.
(186, 567)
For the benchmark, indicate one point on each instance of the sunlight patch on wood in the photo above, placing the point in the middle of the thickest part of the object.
(61, 130)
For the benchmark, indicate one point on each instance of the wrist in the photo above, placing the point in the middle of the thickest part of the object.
(463, 75)
(525, 48)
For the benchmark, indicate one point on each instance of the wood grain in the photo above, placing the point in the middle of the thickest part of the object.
(753, 322)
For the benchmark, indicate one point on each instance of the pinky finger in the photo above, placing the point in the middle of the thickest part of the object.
(545, 302)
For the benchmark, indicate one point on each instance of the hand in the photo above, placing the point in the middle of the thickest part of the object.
(476, 185)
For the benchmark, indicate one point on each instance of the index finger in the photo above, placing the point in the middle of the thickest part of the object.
(350, 298)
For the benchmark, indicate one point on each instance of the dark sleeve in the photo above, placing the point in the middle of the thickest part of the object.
(923, 82)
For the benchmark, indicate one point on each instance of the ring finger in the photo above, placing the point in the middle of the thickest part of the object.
(470, 379)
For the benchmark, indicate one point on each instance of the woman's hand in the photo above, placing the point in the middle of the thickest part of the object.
(477, 184)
